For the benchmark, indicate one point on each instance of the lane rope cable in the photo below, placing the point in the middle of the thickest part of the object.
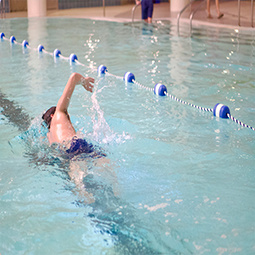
(219, 110)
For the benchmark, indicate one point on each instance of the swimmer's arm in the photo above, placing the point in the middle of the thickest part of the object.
(74, 80)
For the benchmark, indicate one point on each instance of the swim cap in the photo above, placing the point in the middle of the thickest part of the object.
(47, 116)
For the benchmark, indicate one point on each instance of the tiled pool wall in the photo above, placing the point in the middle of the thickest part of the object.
(66, 4)
(21, 5)
(5, 4)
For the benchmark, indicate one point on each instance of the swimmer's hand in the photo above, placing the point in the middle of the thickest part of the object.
(74, 79)
(86, 83)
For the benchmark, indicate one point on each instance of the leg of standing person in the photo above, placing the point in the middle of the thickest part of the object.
(220, 15)
(150, 11)
(144, 10)
(208, 9)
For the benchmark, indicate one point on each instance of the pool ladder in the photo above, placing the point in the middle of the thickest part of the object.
(133, 11)
(198, 7)
(191, 15)
(239, 11)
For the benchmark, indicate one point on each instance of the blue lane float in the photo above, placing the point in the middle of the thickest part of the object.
(25, 44)
(129, 77)
(72, 58)
(56, 53)
(219, 110)
(101, 70)
(160, 89)
(12, 39)
(40, 48)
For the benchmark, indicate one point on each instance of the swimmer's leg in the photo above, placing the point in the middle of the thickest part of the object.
(77, 174)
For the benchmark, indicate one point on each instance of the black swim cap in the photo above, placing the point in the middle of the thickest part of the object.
(47, 116)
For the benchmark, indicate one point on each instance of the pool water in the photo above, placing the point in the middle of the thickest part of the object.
(176, 180)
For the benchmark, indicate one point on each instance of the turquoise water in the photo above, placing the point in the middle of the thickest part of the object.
(176, 180)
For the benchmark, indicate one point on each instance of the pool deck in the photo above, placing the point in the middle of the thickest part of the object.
(162, 11)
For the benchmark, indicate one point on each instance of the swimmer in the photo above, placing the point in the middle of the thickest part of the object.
(61, 131)
(58, 120)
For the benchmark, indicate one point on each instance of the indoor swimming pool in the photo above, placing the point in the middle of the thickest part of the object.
(175, 179)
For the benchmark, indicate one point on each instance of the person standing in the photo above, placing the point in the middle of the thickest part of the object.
(147, 9)
(220, 15)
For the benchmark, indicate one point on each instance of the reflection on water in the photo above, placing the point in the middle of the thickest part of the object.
(178, 179)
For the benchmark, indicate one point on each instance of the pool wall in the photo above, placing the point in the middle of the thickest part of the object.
(65, 4)
(21, 5)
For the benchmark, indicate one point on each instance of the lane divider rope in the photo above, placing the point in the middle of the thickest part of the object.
(219, 110)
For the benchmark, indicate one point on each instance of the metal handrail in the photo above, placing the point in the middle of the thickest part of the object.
(104, 8)
(180, 13)
(133, 11)
(251, 13)
(239, 12)
(239, 9)
(193, 13)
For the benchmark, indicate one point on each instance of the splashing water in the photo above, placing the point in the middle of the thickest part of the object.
(102, 133)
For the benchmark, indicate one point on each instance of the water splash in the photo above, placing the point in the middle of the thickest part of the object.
(102, 132)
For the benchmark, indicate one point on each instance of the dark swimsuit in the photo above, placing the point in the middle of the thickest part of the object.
(79, 146)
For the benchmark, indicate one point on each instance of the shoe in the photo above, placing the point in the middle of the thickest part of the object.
(220, 16)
